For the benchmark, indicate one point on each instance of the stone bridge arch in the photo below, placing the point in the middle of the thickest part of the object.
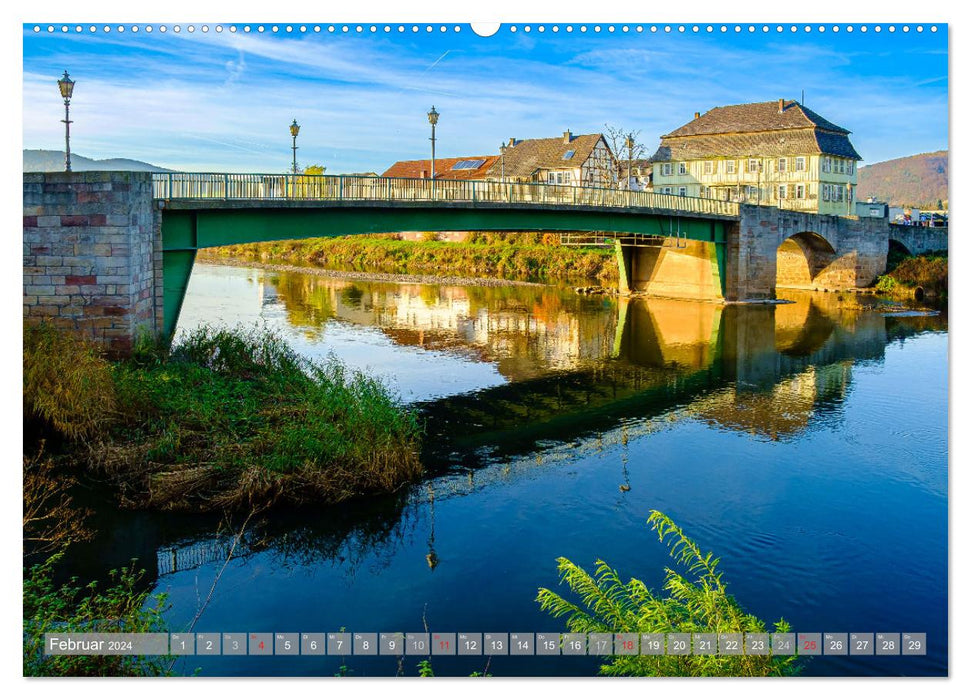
(803, 260)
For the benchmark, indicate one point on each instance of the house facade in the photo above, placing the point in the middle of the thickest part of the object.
(776, 153)
(581, 160)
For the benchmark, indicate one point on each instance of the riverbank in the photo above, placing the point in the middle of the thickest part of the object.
(515, 257)
(916, 277)
(394, 278)
(226, 419)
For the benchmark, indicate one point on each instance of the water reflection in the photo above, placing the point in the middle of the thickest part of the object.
(554, 422)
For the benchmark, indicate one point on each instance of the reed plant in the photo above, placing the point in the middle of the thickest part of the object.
(695, 599)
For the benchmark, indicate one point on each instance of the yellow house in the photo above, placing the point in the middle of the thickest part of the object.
(776, 153)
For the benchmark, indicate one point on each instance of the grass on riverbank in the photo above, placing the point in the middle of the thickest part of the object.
(228, 418)
(916, 277)
(522, 256)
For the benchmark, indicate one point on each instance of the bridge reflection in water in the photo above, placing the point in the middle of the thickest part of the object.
(579, 374)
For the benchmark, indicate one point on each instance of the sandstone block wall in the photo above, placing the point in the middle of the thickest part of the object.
(92, 255)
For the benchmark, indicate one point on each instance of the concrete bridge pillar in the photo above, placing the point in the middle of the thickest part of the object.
(93, 255)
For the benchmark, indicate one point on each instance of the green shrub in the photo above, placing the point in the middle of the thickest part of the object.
(121, 607)
(696, 601)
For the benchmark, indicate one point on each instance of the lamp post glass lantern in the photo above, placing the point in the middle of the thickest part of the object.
(66, 86)
(294, 130)
(433, 120)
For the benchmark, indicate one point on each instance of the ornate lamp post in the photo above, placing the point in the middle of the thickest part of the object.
(294, 130)
(66, 86)
(433, 120)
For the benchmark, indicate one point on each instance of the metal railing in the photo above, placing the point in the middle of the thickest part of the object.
(169, 186)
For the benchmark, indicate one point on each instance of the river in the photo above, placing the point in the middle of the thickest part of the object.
(803, 443)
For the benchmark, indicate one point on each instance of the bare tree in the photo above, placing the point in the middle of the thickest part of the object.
(628, 149)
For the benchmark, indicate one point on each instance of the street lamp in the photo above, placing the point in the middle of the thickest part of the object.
(294, 130)
(433, 120)
(66, 86)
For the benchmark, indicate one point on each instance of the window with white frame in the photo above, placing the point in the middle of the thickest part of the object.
(753, 165)
(838, 193)
(751, 191)
(682, 168)
(825, 192)
(841, 164)
(730, 167)
(706, 191)
(800, 163)
(665, 190)
(709, 167)
(800, 191)
(682, 191)
(665, 169)
(827, 164)
(782, 191)
(551, 178)
(783, 162)
(849, 167)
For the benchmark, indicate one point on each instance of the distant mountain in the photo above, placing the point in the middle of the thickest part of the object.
(39, 161)
(915, 181)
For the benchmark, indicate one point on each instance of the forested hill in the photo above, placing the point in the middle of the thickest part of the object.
(41, 161)
(918, 181)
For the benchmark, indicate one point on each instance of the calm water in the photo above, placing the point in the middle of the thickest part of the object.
(805, 444)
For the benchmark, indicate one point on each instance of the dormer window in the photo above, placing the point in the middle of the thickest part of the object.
(568, 155)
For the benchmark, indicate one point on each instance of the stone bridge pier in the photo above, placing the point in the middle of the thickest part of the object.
(771, 247)
(93, 255)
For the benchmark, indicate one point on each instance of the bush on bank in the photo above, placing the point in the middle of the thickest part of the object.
(228, 418)
(927, 273)
(523, 256)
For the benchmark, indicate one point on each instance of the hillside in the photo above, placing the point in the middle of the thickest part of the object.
(919, 181)
(40, 161)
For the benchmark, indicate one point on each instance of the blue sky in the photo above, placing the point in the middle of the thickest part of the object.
(224, 101)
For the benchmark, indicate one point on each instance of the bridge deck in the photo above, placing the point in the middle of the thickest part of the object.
(241, 190)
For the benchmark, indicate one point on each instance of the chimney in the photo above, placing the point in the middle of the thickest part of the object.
(567, 136)
(512, 141)
(782, 105)
(423, 173)
(697, 114)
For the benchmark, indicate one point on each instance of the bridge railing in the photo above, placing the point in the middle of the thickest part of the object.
(353, 187)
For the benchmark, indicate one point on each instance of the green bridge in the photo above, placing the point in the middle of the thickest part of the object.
(112, 252)
(202, 210)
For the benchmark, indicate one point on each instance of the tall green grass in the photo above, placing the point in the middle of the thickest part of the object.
(233, 417)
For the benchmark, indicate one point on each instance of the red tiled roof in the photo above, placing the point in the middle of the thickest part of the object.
(443, 168)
